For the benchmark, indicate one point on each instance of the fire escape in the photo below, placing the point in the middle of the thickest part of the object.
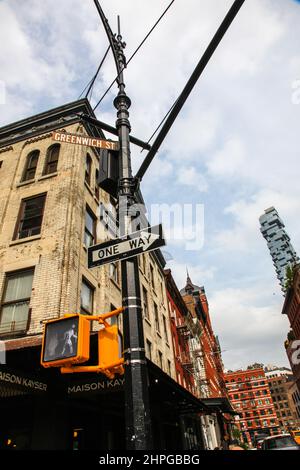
(185, 358)
(193, 360)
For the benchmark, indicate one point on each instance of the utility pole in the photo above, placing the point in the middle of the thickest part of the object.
(137, 411)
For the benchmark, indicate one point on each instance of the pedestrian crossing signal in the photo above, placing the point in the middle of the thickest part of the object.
(110, 348)
(66, 341)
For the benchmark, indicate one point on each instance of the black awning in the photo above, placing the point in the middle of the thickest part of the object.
(220, 404)
(164, 390)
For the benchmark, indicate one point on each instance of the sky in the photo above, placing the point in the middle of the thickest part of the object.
(233, 150)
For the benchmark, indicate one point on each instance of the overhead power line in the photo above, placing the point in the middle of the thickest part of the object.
(92, 81)
(135, 52)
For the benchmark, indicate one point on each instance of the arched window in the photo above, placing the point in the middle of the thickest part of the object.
(52, 159)
(31, 164)
(88, 169)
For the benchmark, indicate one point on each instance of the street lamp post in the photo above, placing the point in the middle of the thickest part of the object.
(137, 411)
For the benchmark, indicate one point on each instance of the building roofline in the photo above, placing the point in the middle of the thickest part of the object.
(47, 121)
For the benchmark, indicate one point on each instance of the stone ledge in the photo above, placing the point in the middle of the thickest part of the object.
(21, 343)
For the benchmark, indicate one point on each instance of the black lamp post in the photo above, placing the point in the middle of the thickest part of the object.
(137, 412)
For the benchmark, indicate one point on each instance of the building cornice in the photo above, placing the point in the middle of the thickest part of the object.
(48, 121)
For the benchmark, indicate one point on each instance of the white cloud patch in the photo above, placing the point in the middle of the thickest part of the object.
(236, 139)
(189, 176)
(229, 161)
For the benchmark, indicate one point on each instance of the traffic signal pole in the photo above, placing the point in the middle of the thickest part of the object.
(137, 411)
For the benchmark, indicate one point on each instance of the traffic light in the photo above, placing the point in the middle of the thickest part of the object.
(109, 171)
(66, 341)
(110, 347)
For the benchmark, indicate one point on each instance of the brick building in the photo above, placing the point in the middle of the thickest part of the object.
(49, 202)
(250, 396)
(291, 308)
(282, 396)
(210, 375)
(183, 330)
(213, 384)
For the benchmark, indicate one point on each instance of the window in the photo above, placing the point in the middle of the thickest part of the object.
(145, 303)
(30, 217)
(144, 263)
(149, 349)
(169, 367)
(156, 319)
(114, 272)
(162, 290)
(30, 166)
(88, 169)
(165, 328)
(160, 359)
(96, 184)
(113, 320)
(152, 276)
(90, 228)
(14, 315)
(51, 159)
(87, 298)
(1, 161)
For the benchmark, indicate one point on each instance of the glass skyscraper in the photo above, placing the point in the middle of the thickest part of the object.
(279, 243)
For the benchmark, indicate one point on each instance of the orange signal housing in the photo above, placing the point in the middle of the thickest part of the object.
(109, 347)
(66, 341)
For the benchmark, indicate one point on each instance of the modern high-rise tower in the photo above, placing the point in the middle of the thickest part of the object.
(279, 243)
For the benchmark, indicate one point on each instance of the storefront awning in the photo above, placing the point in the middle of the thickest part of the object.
(220, 404)
(164, 389)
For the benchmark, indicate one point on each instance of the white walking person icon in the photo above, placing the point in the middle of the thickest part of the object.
(68, 344)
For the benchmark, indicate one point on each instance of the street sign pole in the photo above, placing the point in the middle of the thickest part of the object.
(137, 411)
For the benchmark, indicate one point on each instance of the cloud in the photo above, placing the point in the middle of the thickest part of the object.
(251, 330)
(189, 176)
(199, 274)
(244, 235)
(229, 161)
(235, 143)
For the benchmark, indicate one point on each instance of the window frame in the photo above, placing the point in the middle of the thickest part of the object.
(156, 318)
(93, 235)
(48, 162)
(26, 169)
(149, 349)
(88, 169)
(146, 303)
(11, 275)
(116, 280)
(20, 218)
(97, 188)
(83, 310)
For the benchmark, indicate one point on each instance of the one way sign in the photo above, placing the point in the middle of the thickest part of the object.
(147, 239)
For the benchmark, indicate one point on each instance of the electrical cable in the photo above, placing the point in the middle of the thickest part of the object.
(92, 81)
(135, 52)
(160, 124)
